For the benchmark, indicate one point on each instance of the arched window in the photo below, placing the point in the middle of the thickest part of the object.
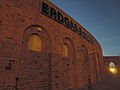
(34, 43)
(112, 68)
(111, 64)
(65, 50)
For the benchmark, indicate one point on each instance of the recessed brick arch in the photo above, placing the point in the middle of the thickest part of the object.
(35, 65)
(71, 49)
(43, 34)
(84, 53)
(99, 66)
(94, 74)
(69, 63)
(85, 63)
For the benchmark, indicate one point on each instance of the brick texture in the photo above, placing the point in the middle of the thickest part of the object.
(22, 69)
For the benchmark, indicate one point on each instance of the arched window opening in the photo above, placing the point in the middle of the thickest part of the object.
(111, 64)
(35, 43)
(65, 50)
(85, 54)
(112, 68)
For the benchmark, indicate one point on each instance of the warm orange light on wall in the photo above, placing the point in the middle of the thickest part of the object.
(65, 50)
(113, 70)
(34, 43)
(39, 29)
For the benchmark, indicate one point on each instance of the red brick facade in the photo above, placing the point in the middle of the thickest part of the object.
(23, 69)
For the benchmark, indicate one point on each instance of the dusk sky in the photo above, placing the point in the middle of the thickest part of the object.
(100, 17)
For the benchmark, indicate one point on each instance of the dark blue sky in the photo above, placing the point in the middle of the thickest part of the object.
(100, 17)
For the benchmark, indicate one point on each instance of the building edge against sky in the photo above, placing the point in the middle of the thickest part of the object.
(43, 48)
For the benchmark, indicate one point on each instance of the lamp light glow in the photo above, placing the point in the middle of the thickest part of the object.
(113, 70)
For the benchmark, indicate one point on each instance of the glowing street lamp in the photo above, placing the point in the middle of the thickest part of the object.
(113, 70)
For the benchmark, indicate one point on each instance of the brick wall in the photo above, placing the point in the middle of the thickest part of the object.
(29, 70)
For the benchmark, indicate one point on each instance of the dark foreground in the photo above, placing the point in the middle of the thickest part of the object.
(111, 82)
